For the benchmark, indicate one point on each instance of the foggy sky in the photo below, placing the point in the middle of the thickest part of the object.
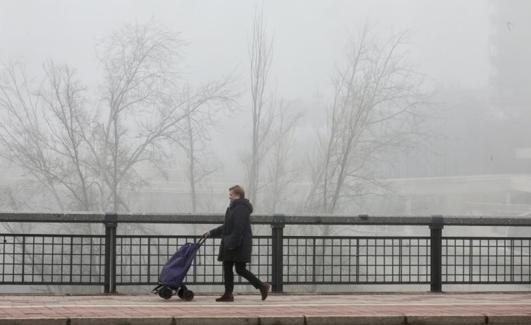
(448, 41)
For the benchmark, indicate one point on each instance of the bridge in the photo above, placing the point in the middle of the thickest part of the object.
(115, 260)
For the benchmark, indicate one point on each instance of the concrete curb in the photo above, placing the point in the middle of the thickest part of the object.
(280, 320)
(224, 320)
(355, 320)
(33, 321)
(121, 321)
(447, 320)
(510, 320)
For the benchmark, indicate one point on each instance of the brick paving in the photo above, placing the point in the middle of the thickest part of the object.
(402, 304)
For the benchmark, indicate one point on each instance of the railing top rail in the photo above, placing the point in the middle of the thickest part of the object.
(202, 218)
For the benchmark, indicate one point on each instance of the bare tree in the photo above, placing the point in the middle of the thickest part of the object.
(139, 61)
(261, 54)
(140, 69)
(373, 110)
(40, 131)
(281, 165)
(51, 132)
(200, 114)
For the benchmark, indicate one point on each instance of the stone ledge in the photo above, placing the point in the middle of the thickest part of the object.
(510, 320)
(448, 320)
(280, 320)
(355, 320)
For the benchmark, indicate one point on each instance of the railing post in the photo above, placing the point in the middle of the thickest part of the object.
(277, 234)
(436, 227)
(24, 258)
(110, 223)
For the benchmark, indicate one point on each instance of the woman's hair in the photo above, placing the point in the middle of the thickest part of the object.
(238, 190)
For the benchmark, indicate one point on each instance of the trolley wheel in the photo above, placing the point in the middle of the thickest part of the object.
(188, 295)
(181, 291)
(165, 292)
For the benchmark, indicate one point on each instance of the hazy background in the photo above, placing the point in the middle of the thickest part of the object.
(442, 127)
(466, 161)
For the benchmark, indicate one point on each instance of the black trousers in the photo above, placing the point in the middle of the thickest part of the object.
(228, 275)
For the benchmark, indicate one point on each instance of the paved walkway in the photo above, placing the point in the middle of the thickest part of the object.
(402, 308)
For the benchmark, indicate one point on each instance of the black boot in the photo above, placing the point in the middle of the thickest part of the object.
(264, 290)
(227, 297)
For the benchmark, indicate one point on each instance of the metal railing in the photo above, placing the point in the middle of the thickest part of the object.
(112, 260)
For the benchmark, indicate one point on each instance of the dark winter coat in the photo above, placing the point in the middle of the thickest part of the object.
(236, 235)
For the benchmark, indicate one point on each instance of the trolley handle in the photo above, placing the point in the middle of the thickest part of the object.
(201, 241)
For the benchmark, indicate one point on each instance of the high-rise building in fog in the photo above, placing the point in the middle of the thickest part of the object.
(510, 56)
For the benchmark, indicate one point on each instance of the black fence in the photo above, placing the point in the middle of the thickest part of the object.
(113, 260)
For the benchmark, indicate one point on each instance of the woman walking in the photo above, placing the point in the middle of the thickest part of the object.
(236, 243)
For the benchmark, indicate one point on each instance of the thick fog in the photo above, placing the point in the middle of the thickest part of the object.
(315, 107)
